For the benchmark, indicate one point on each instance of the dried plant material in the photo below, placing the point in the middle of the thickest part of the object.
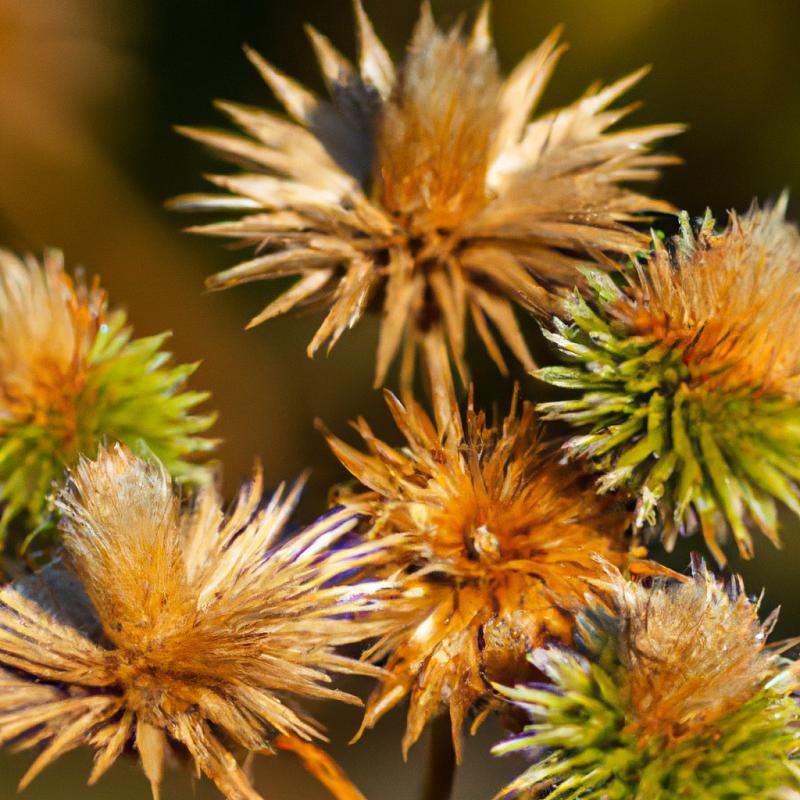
(209, 626)
(321, 766)
(71, 377)
(675, 694)
(692, 652)
(691, 379)
(427, 191)
(500, 546)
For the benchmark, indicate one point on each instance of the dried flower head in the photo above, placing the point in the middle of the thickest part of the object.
(71, 377)
(427, 190)
(674, 695)
(691, 379)
(205, 626)
(500, 545)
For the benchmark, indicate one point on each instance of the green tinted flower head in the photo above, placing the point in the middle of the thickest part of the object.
(670, 694)
(689, 379)
(71, 378)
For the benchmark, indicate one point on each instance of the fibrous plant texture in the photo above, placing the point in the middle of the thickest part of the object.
(425, 190)
(72, 377)
(690, 379)
(499, 548)
(673, 695)
(197, 625)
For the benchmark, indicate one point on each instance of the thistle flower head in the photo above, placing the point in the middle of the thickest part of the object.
(202, 625)
(673, 694)
(72, 377)
(427, 190)
(690, 377)
(499, 549)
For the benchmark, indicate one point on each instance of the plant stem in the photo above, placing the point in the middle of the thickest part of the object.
(322, 767)
(440, 771)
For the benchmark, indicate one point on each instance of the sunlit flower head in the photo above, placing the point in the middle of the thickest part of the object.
(673, 694)
(691, 379)
(500, 545)
(71, 377)
(199, 628)
(426, 191)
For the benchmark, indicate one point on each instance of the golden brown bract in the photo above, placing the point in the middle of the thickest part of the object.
(692, 651)
(501, 543)
(209, 624)
(428, 190)
(435, 135)
(48, 326)
(729, 301)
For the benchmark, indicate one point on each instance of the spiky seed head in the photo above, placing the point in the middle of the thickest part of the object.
(197, 625)
(500, 545)
(690, 377)
(427, 190)
(72, 378)
(672, 694)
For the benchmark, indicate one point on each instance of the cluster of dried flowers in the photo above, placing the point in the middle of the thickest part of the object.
(473, 557)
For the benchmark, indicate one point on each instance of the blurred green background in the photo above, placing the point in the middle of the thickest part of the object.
(88, 92)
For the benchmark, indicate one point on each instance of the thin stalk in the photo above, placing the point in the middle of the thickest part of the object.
(440, 380)
(440, 771)
(322, 767)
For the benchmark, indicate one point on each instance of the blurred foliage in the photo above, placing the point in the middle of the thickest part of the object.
(89, 91)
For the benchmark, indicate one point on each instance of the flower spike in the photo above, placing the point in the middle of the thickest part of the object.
(670, 692)
(690, 377)
(427, 191)
(499, 547)
(194, 626)
(72, 378)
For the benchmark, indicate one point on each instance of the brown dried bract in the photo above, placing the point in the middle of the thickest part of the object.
(692, 651)
(428, 190)
(48, 326)
(209, 626)
(500, 545)
(729, 301)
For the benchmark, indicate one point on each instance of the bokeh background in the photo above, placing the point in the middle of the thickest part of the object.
(89, 90)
